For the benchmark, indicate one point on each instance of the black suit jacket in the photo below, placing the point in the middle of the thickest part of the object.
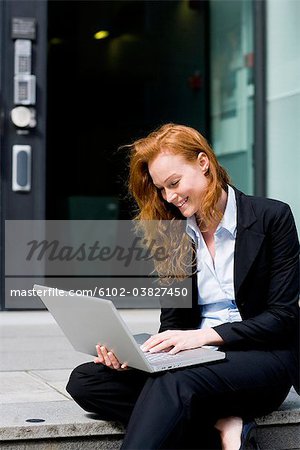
(266, 284)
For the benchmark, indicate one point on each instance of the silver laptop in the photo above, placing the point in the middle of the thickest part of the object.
(87, 321)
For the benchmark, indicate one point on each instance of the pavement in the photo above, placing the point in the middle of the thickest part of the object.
(36, 360)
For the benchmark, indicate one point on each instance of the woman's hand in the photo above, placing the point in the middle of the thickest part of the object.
(181, 340)
(108, 358)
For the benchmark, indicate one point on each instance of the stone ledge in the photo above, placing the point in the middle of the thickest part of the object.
(42, 431)
(65, 419)
(62, 419)
(288, 413)
(76, 443)
(279, 437)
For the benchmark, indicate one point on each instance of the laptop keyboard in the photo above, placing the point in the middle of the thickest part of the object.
(159, 357)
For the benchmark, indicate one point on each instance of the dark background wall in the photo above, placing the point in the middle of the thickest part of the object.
(105, 93)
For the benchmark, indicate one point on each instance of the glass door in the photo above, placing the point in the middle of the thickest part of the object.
(232, 88)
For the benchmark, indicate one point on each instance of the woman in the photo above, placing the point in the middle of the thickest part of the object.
(246, 303)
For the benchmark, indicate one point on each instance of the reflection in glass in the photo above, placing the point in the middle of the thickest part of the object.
(232, 88)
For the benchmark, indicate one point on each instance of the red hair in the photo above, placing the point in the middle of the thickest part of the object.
(187, 142)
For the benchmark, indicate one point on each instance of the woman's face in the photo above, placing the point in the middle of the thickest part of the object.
(181, 182)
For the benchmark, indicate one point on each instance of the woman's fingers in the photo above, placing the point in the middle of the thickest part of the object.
(108, 358)
(174, 350)
(162, 346)
(177, 340)
(154, 340)
(160, 341)
(99, 359)
(115, 363)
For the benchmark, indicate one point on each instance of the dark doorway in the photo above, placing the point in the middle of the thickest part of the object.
(103, 93)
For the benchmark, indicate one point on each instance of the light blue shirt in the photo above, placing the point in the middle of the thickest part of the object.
(215, 277)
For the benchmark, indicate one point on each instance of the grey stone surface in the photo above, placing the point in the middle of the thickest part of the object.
(288, 413)
(29, 330)
(29, 344)
(41, 323)
(28, 323)
(52, 375)
(278, 437)
(92, 443)
(35, 363)
(42, 359)
(21, 387)
(31, 340)
(56, 379)
(62, 419)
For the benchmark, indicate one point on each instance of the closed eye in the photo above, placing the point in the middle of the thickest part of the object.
(174, 183)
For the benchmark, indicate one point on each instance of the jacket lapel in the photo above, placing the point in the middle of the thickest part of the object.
(248, 240)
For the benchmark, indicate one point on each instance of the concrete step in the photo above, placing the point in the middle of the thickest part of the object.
(35, 363)
(67, 427)
(281, 429)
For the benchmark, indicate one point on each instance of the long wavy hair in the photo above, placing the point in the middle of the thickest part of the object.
(167, 230)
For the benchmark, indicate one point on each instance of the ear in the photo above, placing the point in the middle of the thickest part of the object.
(203, 161)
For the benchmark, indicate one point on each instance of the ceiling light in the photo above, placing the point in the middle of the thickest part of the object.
(101, 34)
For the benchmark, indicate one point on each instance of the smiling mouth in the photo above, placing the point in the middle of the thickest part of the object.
(180, 205)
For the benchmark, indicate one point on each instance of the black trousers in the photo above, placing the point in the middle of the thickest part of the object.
(178, 408)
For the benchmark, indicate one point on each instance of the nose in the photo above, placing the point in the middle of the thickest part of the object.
(170, 196)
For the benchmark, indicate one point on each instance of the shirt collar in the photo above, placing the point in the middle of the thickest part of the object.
(192, 228)
(228, 222)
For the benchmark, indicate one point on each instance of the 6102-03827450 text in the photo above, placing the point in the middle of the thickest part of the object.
(108, 292)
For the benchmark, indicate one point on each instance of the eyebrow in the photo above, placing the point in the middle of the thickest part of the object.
(165, 179)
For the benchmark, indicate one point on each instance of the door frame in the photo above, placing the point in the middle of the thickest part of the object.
(22, 205)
